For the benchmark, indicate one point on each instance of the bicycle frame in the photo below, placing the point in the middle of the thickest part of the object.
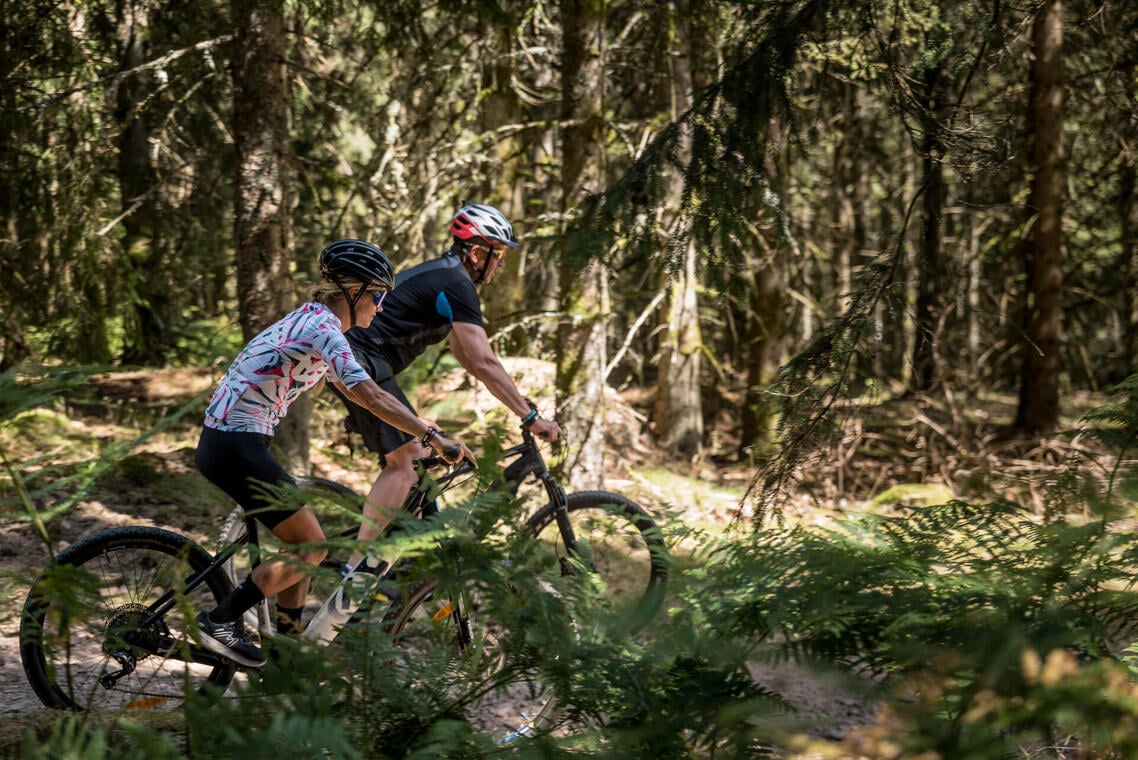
(456, 599)
(531, 462)
(158, 609)
(527, 461)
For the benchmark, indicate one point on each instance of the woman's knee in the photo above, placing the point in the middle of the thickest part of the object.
(301, 528)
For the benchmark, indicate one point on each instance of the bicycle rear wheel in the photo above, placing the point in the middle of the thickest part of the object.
(453, 637)
(80, 641)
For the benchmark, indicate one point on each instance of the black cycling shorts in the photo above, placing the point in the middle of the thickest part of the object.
(378, 435)
(240, 464)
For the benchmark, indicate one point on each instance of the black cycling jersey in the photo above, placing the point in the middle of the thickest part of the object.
(419, 312)
(426, 302)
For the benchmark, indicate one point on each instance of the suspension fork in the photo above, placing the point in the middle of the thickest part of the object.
(532, 463)
(560, 502)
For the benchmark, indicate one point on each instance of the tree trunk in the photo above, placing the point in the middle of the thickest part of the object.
(762, 350)
(13, 347)
(584, 300)
(975, 282)
(147, 339)
(1128, 276)
(678, 414)
(929, 265)
(260, 137)
(504, 186)
(1043, 328)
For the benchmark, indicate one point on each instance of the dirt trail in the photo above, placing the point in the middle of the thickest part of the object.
(19, 551)
(826, 708)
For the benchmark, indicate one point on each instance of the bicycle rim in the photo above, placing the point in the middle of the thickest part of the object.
(77, 616)
(616, 540)
(461, 645)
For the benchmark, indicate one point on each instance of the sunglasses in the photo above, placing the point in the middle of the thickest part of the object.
(378, 296)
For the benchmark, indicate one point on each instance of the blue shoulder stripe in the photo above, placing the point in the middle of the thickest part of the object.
(442, 306)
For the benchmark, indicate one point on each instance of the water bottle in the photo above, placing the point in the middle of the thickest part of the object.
(355, 585)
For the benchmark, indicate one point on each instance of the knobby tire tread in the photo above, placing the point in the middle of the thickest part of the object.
(82, 551)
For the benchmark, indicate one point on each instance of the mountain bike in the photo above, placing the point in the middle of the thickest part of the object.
(110, 625)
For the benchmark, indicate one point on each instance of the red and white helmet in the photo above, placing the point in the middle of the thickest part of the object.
(475, 223)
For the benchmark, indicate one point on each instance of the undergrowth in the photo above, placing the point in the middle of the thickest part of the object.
(980, 630)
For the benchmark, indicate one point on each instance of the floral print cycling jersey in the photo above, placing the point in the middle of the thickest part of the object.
(278, 365)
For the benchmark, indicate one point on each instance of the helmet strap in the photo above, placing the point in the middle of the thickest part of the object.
(351, 301)
(465, 255)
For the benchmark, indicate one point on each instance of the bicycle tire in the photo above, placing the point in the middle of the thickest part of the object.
(625, 548)
(520, 703)
(76, 614)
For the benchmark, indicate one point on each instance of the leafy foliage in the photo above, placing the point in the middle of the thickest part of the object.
(987, 629)
(1117, 424)
(978, 629)
(960, 603)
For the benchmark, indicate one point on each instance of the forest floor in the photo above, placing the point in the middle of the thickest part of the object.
(893, 455)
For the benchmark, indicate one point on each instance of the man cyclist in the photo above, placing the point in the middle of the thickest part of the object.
(285, 360)
(434, 300)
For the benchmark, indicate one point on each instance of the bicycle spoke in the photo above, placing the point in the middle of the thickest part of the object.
(84, 642)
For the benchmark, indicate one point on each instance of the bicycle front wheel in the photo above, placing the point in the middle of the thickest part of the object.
(81, 640)
(501, 684)
(615, 538)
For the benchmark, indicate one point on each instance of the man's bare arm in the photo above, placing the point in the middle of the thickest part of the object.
(471, 347)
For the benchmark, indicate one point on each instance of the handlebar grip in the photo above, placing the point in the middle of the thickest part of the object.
(452, 453)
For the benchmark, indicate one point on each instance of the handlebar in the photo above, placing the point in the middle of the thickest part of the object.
(529, 443)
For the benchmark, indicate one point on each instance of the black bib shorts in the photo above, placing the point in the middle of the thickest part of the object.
(240, 464)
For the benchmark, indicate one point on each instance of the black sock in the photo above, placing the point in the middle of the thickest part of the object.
(242, 598)
(288, 620)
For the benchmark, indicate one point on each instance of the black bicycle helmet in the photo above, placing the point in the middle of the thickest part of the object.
(357, 260)
(474, 223)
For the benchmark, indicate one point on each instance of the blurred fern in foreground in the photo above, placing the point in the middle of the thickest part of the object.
(951, 609)
(975, 631)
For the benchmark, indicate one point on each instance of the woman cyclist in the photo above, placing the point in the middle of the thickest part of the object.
(278, 365)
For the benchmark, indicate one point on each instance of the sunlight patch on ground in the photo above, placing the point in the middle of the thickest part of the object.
(697, 501)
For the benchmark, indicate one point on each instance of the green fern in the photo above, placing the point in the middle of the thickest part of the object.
(952, 595)
(1116, 426)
